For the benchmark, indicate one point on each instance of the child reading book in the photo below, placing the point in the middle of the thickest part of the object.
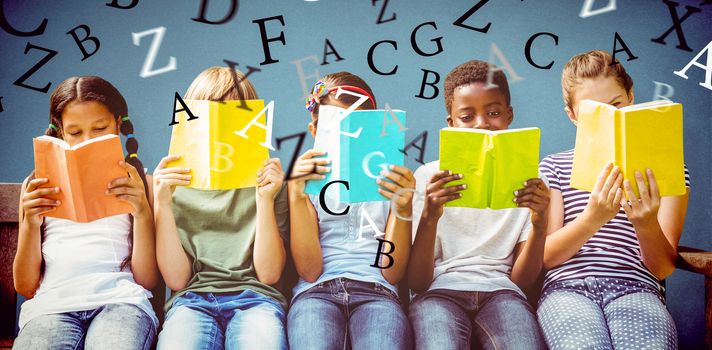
(468, 265)
(341, 299)
(87, 283)
(607, 250)
(221, 251)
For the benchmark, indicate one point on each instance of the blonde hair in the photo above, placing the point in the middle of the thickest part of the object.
(591, 65)
(218, 84)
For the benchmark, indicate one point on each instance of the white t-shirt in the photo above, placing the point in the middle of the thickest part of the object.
(82, 269)
(474, 248)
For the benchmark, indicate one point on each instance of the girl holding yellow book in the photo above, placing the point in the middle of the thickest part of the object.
(221, 251)
(87, 284)
(607, 250)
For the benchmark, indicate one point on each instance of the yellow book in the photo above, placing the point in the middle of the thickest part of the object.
(646, 135)
(494, 164)
(219, 158)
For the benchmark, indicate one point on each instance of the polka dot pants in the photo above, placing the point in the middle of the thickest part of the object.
(605, 313)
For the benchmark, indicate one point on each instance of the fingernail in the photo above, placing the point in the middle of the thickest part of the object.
(514, 200)
(460, 175)
(524, 184)
(383, 173)
(391, 167)
(58, 202)
(464, 186)
(56, 189)
(328, 168)
(106, 192)
(186, 169)
(449, 172)
(322, 177)
(516, 193)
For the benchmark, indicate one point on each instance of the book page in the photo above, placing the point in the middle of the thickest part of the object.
(516, 160)
(595, 143)
(51, 163)
(191, 140)
(469, 153)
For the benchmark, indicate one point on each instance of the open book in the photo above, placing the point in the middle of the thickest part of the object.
(218, 158)
(83, 173)
(646, 135)
(494, 164)
(360, 145)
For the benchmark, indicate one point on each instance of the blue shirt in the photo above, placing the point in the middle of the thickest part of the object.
(348, 242)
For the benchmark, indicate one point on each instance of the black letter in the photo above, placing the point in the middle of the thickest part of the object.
(295, 155)
(204, 8)
(459, 22)
(322, 202)
(437, 40)
(528, 48)
(115, 3)
(1, 109)
(93, 39)
(21, 80)
(625, 48)
(370, 58)
(421, 148)
(237, 82)
(425, 82)
(185, 108)
(383, 9)
(327, 47)
(386, 254)
(677, 25)
(8, 28)
(265, 40)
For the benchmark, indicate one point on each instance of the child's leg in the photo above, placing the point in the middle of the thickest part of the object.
(191, 324)
(640, 321)
(440, 320)
(120, 326)
(376, 319)
(571, 319)
(52, 332)
(505, 320)
(258, 322)
(316, 320)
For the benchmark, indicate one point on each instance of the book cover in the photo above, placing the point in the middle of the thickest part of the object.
(82, 172)
(218, 158)
(494, 164)
(360, 145)
(646, 135)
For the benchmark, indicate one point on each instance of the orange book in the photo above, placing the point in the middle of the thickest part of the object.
(82, 173)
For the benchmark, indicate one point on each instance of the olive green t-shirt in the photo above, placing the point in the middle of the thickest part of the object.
(217, 230)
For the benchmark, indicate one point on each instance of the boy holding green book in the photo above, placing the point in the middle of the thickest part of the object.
(468, 265)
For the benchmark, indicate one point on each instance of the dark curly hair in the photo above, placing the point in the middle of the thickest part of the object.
(470, 72)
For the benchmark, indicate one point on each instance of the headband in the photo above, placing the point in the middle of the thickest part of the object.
(320, 90)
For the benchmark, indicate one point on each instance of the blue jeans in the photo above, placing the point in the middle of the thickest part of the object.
(243, 320)
(339, 312)
(113, 326)
(447, 319)
(605, 313)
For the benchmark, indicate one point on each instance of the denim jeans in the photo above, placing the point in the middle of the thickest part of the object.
(341, 312)
(605, 313)
(113, 326)
(447, 319)
(243, 320)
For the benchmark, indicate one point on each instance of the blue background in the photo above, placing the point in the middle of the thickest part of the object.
(351, 28)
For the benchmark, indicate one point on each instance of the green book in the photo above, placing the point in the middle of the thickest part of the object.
(494, 164)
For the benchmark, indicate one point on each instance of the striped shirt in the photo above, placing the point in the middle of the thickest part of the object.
(613, 251)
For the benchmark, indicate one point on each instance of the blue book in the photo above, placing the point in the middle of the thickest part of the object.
(360, 145)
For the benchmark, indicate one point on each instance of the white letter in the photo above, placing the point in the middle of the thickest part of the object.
(707, 68)
(152, 52)
(268, 138)
(586, 9)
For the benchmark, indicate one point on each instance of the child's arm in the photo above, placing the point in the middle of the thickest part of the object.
(562, 242)
(131, 190)
(173, 261)
(422, 256)
(528, 255)
(398, 231)
(658, 223)
(304, 228)
(28, 257)
(269, 255)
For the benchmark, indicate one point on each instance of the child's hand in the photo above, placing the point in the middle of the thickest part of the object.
(402, 178)
(308, 168)
(35, 203)
(535, 196)
(604, 203)
(130, 189)
(270, 179)
(642, 211)
(165, 179)
(436, 194)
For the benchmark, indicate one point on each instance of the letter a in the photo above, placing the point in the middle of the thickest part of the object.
(707, 68)
(269, 108)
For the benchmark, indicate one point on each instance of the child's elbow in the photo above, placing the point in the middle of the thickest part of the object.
(269, 278)
(310, 275)
(26, 290)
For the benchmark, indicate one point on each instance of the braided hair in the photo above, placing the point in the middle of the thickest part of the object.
(93, 88)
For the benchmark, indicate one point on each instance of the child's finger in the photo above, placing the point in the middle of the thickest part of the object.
(175, 182)
(403, 171)
(642, 187)
(610, 180)
(616, 186)
(388, 185)
(602, 176)
(629, 192)
(312, 153)
(133, 173)
(34, 183)
(439, 175)
(385, 193)
(40, 210)
(443, 181)
(42, 202)
(121, 181)
(653, 183)
(41, 192)
(167, 159)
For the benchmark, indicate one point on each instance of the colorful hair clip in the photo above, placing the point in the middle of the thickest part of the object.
(133, 155)
(128, 136)
(125, 118)
(52, 126)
